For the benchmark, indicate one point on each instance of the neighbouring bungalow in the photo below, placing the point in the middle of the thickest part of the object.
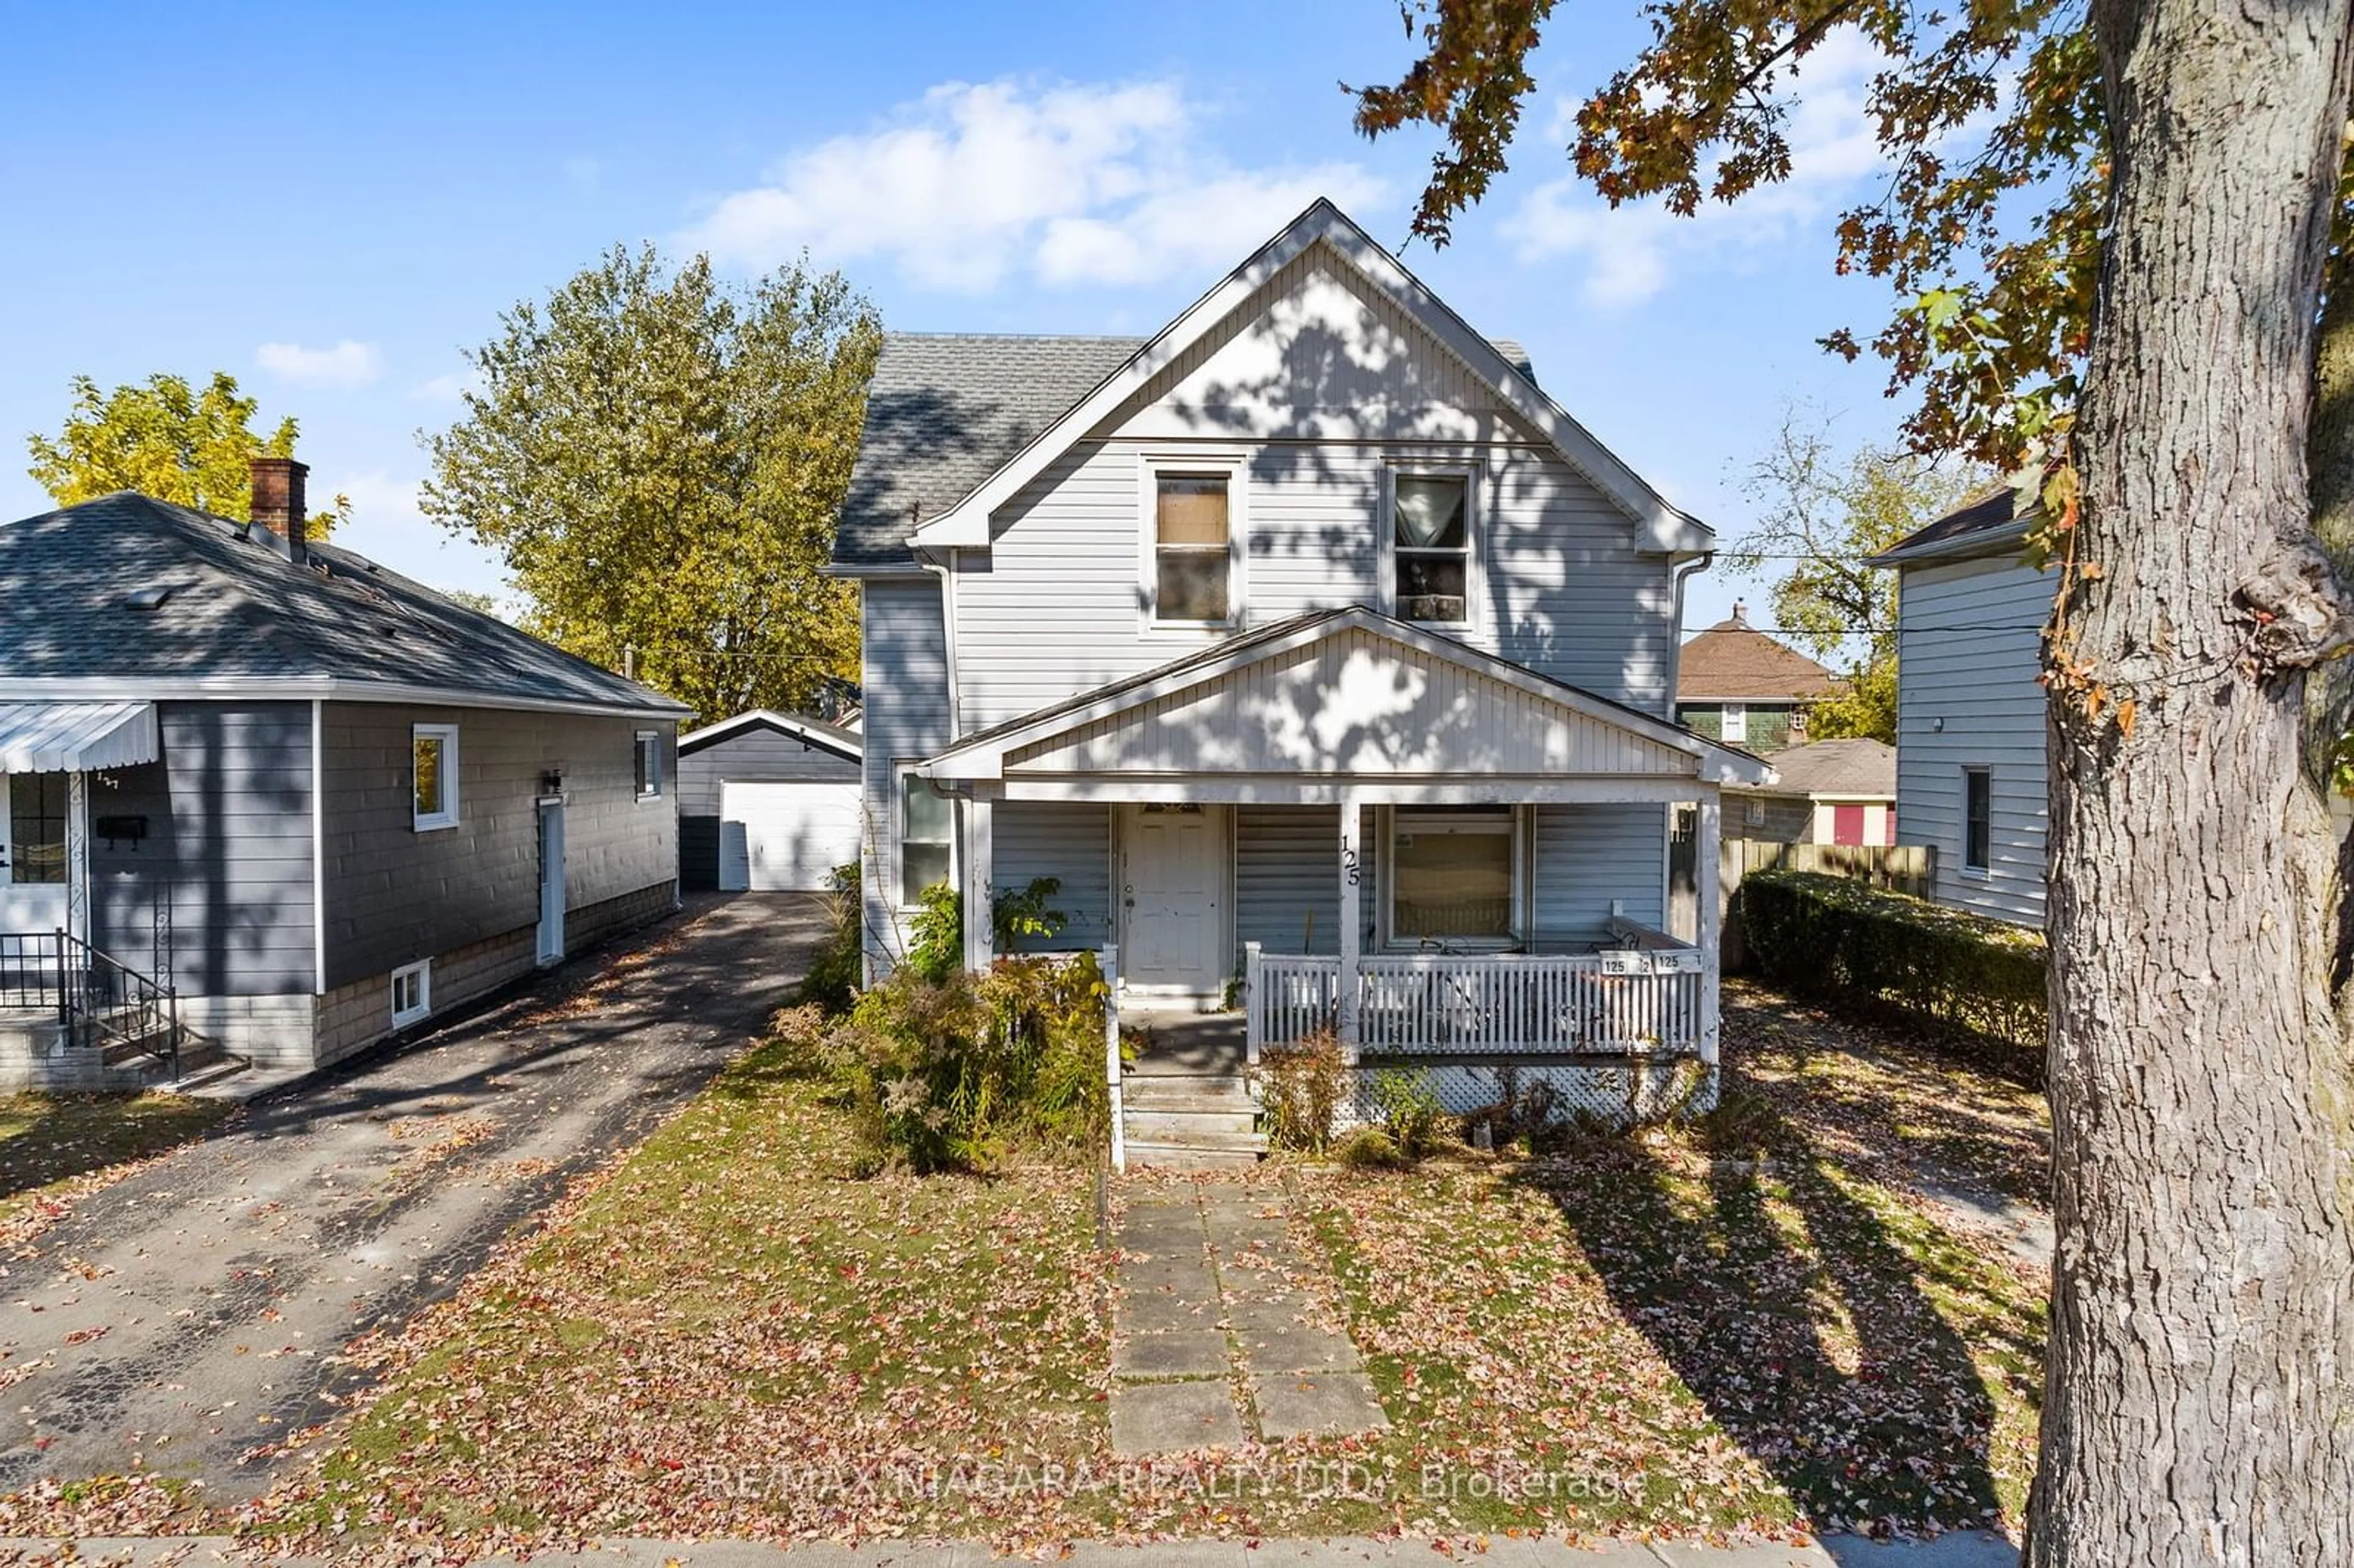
(1824, 792)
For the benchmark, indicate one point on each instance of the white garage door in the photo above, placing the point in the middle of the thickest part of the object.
(784, 838)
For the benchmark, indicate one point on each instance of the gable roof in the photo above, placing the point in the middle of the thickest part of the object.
(944, 412)
(983, 754)
(1987, 523)
(1734, 662)
(233, 616)
(1856, 766)
(895, 479)
(844, 744)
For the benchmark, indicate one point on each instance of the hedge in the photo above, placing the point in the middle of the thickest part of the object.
(1978, 979)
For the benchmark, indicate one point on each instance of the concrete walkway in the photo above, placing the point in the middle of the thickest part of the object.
(198, 1310)
(1224, 1329)
(1836, 1551)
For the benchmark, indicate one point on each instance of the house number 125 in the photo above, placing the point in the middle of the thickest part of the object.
(1349, 863)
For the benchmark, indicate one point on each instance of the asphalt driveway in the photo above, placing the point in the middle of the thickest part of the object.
(197, 1310)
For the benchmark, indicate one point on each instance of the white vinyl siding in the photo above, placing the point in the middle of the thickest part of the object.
(1969, 655)
(1070, 840)
(905, 671)
(1588, 856)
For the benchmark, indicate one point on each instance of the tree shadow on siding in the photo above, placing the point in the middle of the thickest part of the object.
(1818, 1335)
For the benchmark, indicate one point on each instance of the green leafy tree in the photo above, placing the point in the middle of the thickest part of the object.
(660, 459)
(165, 438)
(1821, 515)
(2121, 238)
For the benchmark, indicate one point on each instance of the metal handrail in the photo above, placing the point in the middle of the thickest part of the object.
(114, 999)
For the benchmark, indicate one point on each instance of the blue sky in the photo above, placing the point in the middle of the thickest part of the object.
(331, 204)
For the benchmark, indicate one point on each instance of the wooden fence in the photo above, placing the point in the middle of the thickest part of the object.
(1904, 868)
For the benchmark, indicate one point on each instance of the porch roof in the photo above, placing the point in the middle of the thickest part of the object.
(1339, 699)
(76, 738)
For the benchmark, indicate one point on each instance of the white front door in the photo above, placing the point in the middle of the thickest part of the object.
(34, 863)
(551, 882)
(1173, 862)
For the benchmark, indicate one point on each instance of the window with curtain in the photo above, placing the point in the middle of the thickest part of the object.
(37, 827)
(924, 830)
(1192, 554)
(1430, 532)
(1451, 874)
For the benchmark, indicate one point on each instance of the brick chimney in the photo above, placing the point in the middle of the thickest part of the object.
(279, 503)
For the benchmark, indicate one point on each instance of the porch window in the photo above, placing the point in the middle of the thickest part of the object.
(1193, 554)
(1977, 818)
(1451, 874)
(1430, 533)
(37, 827)
(433, 775)
(924, 834)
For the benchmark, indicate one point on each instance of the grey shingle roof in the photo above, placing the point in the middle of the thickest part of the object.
(236, 609)
(1858, 766)
(946, 410)
(1989, 520)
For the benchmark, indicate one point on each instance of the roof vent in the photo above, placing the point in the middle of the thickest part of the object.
(147, 598)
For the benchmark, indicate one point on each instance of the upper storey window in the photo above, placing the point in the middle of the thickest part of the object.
(1430, 539)
(1193, 550)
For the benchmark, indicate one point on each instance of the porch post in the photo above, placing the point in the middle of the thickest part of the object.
(978, 854)
(78, 855)
(1352, 866)
(1707, 839)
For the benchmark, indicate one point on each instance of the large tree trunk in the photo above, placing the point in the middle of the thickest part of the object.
(2200, 1406)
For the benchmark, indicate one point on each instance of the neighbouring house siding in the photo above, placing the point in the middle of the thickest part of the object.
(1969, 653)
(904, 663)
(1587, 856)
(1070, 840)
(396, 895)
(754, 752)
(1786, 820)
(228, 835)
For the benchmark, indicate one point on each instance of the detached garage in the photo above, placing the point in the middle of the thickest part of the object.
(769, 802)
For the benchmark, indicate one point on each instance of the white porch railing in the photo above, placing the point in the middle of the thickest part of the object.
(1651, 1000)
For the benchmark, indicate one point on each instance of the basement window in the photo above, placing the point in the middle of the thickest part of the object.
(412, 992)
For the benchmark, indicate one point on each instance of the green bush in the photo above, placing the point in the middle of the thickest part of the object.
(935, 932)
(1369, 1148)
(959, 1072)
(1300, 1091)
(1843, 942)
(833, 972)
(1408, 1110)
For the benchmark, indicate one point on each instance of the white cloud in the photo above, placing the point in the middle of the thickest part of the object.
(975, 183)
(449, 389)
(347, 364)
(1633, 252)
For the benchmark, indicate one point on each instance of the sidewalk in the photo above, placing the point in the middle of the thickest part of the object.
(1836, 1551)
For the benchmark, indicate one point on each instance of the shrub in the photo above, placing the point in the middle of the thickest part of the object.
(1843, 942)
(1369, 1148)
(935, 932)
(1408, 1110)
(953, 1073)
(1300, 1091)
(833, 971)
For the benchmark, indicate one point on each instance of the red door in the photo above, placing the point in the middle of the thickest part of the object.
(1846, 824)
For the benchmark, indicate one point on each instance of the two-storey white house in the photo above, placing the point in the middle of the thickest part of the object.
(1320, 655)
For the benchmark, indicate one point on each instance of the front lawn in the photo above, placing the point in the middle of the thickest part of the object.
(732, 1335)
(57, 1149)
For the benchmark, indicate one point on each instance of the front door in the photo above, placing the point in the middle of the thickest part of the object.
(551, 881)
(1174, 861)
(34, 862)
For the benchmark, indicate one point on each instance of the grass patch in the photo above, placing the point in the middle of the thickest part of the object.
(55, 1148)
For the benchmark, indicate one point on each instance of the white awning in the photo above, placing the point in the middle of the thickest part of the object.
(76, 738)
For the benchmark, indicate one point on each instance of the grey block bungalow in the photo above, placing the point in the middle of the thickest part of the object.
(315, 802)
(1323, 657)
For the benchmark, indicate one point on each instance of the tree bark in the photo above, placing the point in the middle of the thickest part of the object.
(2200, 1400)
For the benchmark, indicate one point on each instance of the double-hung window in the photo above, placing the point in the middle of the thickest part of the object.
(1451, 874)
(649, 770)
(433, 775)
(1192, 548)
(924, 834)
(1430, 545)
(1977, 818)
(37, 827)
